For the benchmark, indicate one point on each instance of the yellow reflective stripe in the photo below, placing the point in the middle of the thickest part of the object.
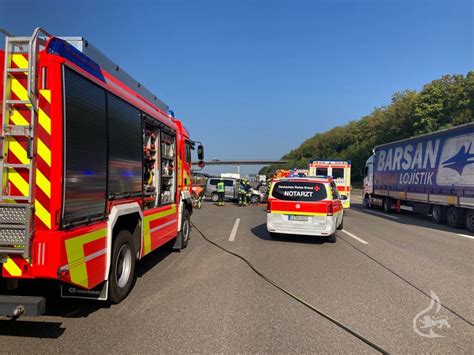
(11, 267)
(44, 152)
(43, 183)
(43, 214)
(300, 213)
(46, 94)
(19, 89)
(20, 61)
(17, 149)
(17, 180)
(76, 258)
(146, 227)
(44, 121)
(17, 119)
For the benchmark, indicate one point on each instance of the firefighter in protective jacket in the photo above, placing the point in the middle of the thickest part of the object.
(220, 192)
(242, 193)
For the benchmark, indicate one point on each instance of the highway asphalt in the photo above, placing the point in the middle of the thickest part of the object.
(376, 279)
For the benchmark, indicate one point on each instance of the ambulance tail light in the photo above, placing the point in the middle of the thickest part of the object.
(329, 210)
(269, 206)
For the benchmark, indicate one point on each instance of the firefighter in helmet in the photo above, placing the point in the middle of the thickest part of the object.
(220, 192)
(242, 193)
(247, 191)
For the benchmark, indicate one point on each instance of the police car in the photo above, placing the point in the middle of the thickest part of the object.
(305, 206)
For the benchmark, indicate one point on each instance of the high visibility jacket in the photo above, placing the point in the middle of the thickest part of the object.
(242, 188)
(220, 186)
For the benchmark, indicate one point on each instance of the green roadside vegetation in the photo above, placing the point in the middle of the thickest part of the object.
(443, 103)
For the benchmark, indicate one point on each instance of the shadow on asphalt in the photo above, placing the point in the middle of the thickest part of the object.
(30, 329)
(407, 218)
(64, 308)
(153, 259)
(262, 233)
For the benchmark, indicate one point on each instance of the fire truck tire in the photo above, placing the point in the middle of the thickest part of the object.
(214, 197)
(185, 231)
(470, 220)
(122, 268)
(438, 214)
(455, 217)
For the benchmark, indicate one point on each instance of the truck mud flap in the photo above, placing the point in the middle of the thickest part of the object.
(98, 293)
(16, 306)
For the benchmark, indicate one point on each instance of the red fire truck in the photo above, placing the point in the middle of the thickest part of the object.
(95, 171)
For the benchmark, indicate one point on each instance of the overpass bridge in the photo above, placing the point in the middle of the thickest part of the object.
(238, 163)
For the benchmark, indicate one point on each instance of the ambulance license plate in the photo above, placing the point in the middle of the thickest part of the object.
(298, 218)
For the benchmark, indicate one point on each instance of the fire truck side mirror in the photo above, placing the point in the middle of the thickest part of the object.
(200, 152)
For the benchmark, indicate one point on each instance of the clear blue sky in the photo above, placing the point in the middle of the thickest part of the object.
(254, 79)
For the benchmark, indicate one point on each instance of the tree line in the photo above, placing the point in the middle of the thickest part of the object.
(443, 103)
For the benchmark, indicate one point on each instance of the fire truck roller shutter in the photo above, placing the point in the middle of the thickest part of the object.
(125, 147)
(85, 148)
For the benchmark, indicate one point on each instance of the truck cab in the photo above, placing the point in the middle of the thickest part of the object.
(368, 178)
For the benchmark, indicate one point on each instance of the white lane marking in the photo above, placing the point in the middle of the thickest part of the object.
(234, 230)
(382, 214)
(465, 236)
(355, 237)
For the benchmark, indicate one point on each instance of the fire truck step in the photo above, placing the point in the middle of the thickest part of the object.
(17, 70)
(10, 197)
(19, 166)
(17, 102)
(15, 306)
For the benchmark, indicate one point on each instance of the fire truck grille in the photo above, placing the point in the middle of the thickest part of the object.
(12, 214)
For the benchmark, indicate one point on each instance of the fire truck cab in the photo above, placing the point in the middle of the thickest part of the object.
(95, 169)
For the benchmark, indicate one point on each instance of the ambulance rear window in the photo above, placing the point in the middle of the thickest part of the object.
(338, 173)
(299, 191)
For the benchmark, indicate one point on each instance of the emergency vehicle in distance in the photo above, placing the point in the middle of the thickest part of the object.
(340, 171)
(308, 205)
(430, 174)
(96, 173)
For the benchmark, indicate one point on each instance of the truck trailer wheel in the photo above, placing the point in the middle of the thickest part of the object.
(387, 205)
(438, 214)
(470, 220)
(122, 268)
(455, 217)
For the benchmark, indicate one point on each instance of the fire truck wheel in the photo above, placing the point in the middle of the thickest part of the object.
(122, 268)
(185, 229)
(455, 217)
(470, 220)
